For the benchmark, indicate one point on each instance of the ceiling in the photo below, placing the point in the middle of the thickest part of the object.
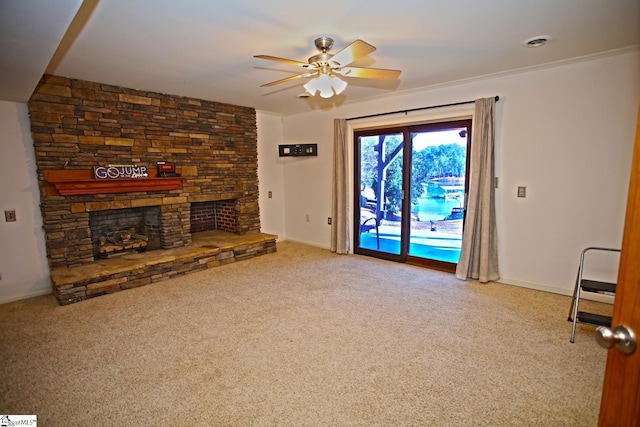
(205, 49)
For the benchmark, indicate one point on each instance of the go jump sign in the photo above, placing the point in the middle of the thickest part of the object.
(120, 171)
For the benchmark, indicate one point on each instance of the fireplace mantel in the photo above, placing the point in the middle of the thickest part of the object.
(71, 182)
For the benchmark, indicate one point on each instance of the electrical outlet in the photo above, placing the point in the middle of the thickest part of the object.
(10, 216)
(522, 191)
(307, 217)
(270, 194)
(329, 220)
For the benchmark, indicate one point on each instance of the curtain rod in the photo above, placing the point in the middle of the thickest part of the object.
(415, 109)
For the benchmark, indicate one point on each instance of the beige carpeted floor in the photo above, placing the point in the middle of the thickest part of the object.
(302, 337)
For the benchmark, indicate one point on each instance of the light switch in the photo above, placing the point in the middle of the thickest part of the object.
(10, 216)
(522, 191)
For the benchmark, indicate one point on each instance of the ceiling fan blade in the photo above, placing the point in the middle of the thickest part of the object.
(369, 73)
(287, 79)
(355, 50)
(286, 61)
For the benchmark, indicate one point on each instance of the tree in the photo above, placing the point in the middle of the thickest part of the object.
(393, 178)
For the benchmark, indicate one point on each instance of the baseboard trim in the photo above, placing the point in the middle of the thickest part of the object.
(302, 242)
(557, 290)
(26, 296)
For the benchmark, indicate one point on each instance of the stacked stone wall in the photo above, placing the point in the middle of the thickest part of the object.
(78, 125)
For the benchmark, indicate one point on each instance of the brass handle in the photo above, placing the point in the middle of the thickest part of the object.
(622, 337)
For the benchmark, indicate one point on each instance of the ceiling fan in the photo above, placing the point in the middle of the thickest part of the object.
(325, 68)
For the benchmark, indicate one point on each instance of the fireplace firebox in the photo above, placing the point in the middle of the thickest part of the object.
(214, 215)
(119, 231)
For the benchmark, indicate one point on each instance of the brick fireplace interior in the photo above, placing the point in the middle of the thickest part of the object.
(216, 215)
(77, 125)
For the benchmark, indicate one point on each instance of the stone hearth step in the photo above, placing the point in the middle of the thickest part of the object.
(208, 249)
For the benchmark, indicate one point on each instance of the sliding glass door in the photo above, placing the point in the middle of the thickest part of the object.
(380, 192)
(411, 185)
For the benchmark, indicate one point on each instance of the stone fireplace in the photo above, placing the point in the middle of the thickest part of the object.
(78, 125)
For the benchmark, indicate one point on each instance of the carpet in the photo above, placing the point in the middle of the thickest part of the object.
(303, 337)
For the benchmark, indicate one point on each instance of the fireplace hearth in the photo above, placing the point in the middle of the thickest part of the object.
(209, 249)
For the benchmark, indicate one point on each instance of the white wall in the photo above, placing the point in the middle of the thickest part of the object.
(271, 174)
(23, 263)
(566, 132)
(307, 181)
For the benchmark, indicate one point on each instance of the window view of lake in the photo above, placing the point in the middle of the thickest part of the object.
(435, 191)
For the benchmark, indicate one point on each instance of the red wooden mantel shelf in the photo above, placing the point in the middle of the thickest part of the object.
(79, 182)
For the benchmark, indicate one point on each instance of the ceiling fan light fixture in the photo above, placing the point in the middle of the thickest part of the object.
(326, 85)
(324, 68)
(312, 86)
(339, 85)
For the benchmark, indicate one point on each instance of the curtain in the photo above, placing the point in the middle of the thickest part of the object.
(340, 191)
(479, 253)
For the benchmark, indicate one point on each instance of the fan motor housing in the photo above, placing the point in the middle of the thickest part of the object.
(324, 43)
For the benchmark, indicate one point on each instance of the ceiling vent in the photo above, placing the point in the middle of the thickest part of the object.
(536, 41)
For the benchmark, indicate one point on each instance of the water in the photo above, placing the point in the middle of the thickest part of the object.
(432, 209)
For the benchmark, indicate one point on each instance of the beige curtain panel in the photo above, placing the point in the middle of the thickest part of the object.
(479, 253)
(340, 192)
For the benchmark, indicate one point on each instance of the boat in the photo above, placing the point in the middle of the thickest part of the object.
(452, 191)
(456, 213)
